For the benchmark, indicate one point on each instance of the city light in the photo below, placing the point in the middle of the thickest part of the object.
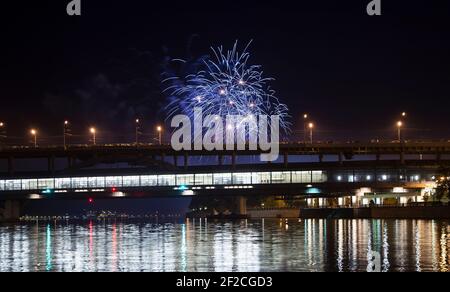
(33, 132)
(94, 135)
(159, 129)
(399, 130)
(311, 128)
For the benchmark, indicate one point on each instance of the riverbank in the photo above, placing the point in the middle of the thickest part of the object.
(413, 212)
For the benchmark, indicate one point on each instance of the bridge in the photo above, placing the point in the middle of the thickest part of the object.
(81, 156)
(346, 172)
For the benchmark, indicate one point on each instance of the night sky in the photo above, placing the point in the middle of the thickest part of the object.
(353, 73)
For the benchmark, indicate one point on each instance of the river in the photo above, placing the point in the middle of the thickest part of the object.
(240, 246)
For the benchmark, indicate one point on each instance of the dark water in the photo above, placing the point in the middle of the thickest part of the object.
(262, 245)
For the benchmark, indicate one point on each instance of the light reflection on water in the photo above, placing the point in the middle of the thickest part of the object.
(245, 246)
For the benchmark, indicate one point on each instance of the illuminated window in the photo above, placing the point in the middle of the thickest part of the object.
(131, 181)
(47, 183)
(261, 178)
(301, 177)
(113, 181)
(203, 179)
(2, 185)
(29, 184)
(317, 176)
(185, 179)
(149, 180)
(79, 182)
(96, 182)
(222, 179)
(13, 185)
(166, 180)
(242, 178)
(281, 177)
(62, 183)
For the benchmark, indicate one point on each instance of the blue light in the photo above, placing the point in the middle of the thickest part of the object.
(313, 191)
(47, 191)
(183, 188)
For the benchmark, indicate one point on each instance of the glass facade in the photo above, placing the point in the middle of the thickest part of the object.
(206, 179)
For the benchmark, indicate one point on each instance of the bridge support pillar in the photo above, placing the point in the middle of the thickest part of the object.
(220, 160)
(51, 164)
(233, 160)
(186, 161)
(402, 158)
(10, 210)
(241, 205)
(341, 158)
(11, 165)
(286, 160)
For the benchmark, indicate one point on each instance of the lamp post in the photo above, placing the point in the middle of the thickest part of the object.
(311, 128)
(137, 130)
(94, 135)
(65, 132)
(159, 129)
(305, 126)
(2, 130)
(33, 133)
(399, 130)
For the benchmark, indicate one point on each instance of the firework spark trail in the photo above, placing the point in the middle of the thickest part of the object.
(227, 85)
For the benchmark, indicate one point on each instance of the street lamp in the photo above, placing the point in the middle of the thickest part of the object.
(305, 125)
(94, 135)
(33, 133)
(2, 131)
(137, 130)
(160, 130)
(404, 114)
(399, 130)
(65, 132)
(311, 128)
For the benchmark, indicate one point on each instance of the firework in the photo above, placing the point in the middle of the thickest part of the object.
(226, 84)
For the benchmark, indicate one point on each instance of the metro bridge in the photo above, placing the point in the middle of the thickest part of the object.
(339, 170)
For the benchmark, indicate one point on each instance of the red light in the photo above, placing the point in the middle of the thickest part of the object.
(91, 200)
(114, 190)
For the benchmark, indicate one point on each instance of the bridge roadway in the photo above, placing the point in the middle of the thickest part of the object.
(347, 149)
(82, 156)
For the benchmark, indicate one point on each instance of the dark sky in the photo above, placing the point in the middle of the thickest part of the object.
(353, 73)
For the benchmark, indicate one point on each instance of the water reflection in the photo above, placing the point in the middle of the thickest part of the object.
(199, 245)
